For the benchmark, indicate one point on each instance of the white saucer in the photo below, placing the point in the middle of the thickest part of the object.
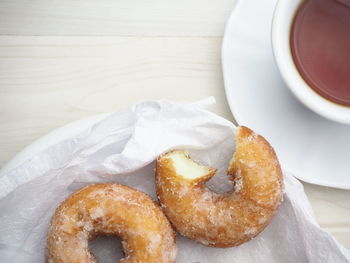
(310, 147)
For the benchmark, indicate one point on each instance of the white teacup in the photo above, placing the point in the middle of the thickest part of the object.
(281, 26)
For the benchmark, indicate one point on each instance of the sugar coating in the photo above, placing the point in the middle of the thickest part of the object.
(110, 209)
(223, 220)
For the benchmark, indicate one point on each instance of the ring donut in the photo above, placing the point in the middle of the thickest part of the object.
(110, 209)
(221, 220)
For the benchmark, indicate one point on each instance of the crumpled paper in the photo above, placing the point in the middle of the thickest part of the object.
(122, 148)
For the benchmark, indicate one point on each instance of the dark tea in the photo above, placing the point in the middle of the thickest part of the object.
(320, 45)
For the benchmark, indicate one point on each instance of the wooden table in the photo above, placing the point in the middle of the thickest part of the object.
(63, 60)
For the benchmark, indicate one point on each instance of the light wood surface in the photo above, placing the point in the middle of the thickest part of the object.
(64, 60)
(114, 17)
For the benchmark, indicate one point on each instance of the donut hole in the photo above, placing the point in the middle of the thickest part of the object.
(220, 183)
(106, 249)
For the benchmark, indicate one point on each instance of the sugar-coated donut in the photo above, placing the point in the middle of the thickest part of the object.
(110, 209)
(221, 220)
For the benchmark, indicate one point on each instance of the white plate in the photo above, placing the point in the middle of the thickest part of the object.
(50, 139)
(310, 147)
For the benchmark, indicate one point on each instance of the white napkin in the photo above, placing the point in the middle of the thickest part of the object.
(122, 148)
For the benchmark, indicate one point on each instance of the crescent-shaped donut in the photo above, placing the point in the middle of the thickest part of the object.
(222, 220)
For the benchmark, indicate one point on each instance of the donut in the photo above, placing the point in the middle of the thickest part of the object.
(110, 209)
(221, 220)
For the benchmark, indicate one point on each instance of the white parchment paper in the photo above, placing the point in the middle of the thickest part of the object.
(122, 148)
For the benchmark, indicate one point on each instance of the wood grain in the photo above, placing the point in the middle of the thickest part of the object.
(114, 17)
(46, 82)
(332, 210)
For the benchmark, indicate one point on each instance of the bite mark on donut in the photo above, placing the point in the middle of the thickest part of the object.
(186, 168)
